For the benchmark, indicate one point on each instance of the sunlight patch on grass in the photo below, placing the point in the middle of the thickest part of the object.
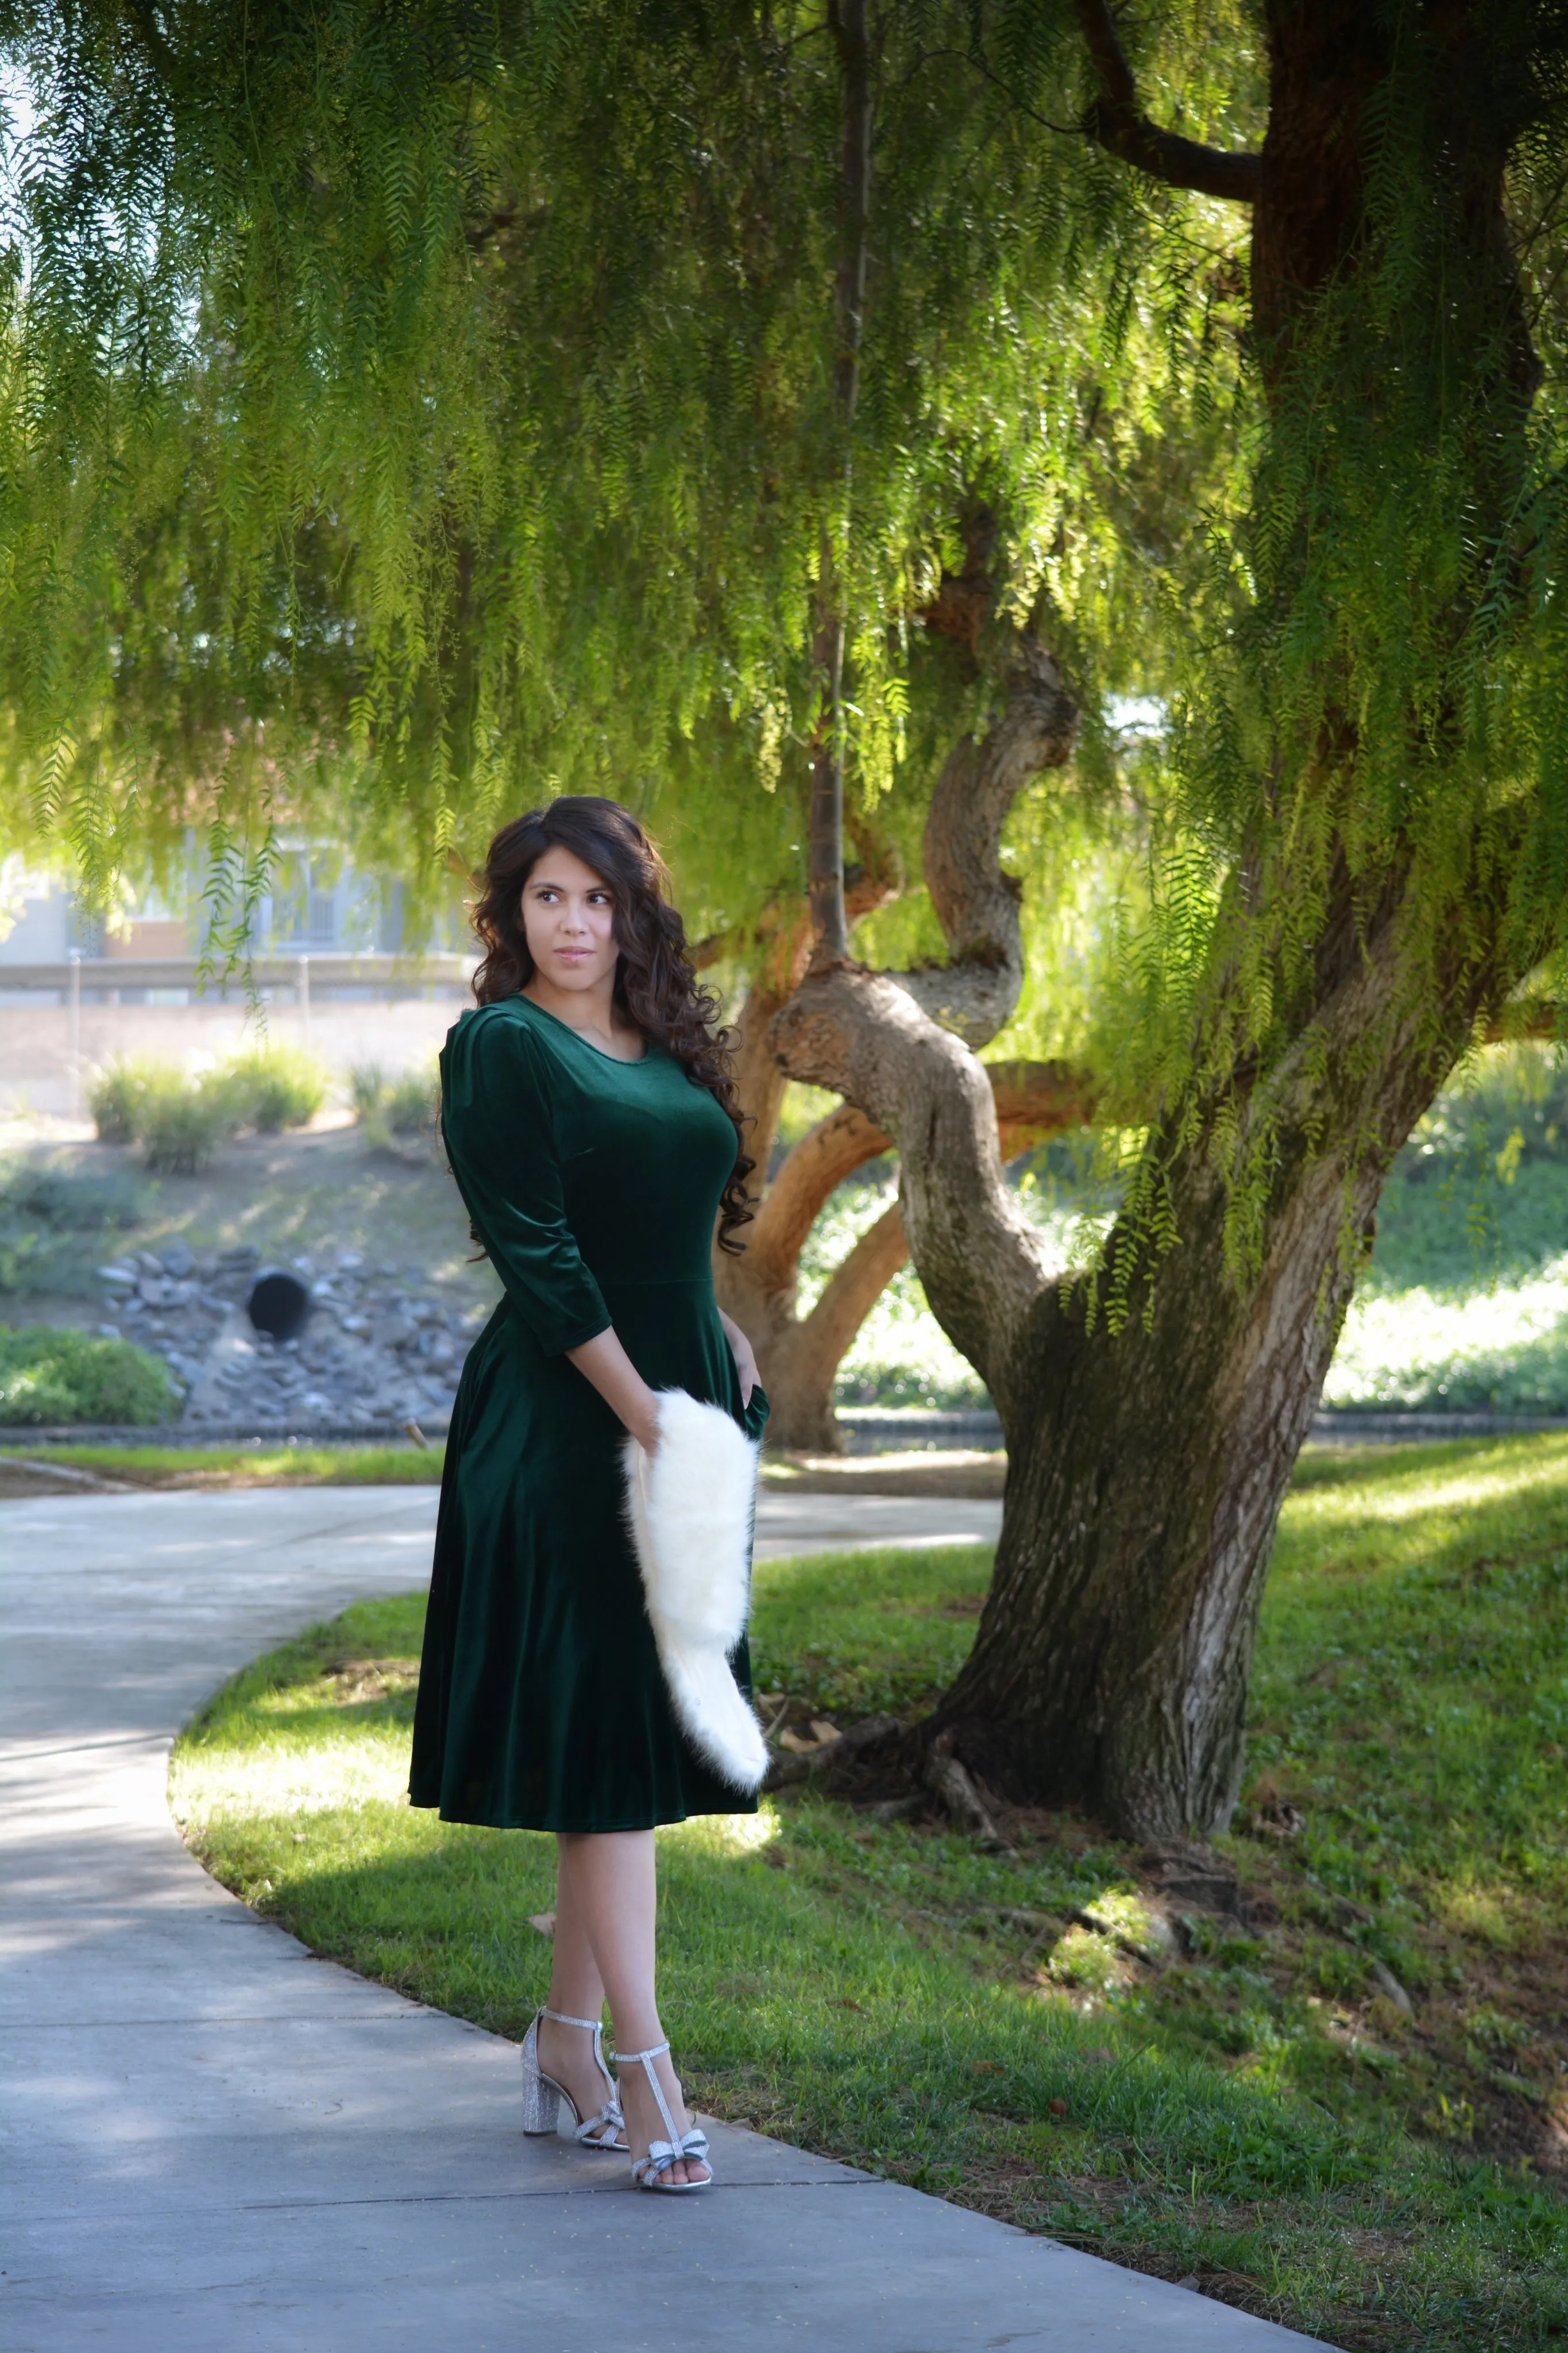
(322, 1778)
(1507, 1344)
(1412, 1490)
(725, 1834)
(1488, 1911)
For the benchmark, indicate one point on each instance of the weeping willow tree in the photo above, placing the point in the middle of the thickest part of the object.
(406, 407)
(1370, 761)
(415, 410)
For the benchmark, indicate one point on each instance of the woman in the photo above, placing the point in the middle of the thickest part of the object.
(592, 1127)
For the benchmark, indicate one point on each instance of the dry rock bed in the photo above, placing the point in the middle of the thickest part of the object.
(303, 1282)
(318, 1339)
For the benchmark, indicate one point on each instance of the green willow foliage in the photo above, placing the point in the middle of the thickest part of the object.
(413, 408)
(1386, 723)
(409, 408)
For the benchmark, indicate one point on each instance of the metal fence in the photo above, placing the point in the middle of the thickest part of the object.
(328, 977)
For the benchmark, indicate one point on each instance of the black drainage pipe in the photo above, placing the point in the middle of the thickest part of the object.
(279, 1304)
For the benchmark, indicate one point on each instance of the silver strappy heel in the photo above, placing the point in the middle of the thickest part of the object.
(543, 2096)
(649, 2172)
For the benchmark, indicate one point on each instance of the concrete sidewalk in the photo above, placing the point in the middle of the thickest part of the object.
(214, 2142)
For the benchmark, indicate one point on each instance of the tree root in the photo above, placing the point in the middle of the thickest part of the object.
(948, 1778)
(809, 1764)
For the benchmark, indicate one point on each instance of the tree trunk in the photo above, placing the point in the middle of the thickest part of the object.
(1146, 1466)
(805, 1351)
(798, 1356)
(1148, 1456)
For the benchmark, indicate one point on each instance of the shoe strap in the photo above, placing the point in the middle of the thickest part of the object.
(593, 2027)
(600, 2131)
(647, 2058)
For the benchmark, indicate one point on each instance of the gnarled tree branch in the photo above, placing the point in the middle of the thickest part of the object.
(981, 1259)
(799, 1355)
(974, 993)
(898, 1045)
(1116, 122)
(818, 1164)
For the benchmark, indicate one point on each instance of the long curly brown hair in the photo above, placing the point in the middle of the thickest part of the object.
(655, 986)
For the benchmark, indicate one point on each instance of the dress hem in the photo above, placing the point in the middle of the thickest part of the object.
(587, 1830)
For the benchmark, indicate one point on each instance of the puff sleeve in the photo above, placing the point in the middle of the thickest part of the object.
(495, 1117)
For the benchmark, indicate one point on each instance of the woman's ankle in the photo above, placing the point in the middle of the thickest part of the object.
(644, 2119)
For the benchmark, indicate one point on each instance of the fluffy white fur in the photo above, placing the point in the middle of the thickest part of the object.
(689, 1512)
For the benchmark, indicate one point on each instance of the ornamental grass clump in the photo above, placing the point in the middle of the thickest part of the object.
(116, 1093)
(49, 1374)
(404, 1108)
(367, 1085)
(182, 1121)
(409, 1107)
(275, 1087)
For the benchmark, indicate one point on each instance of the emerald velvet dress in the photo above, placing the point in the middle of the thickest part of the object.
(592, 1184)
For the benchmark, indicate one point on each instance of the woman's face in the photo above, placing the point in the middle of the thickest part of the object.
(569, 922)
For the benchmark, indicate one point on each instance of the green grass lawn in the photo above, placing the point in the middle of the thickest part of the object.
(1255, 2110)
(246, 1466)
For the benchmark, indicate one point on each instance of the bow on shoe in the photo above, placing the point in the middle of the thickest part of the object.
(663, 2154)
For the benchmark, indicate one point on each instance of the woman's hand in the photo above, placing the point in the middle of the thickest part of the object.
(606, 1363)
(745, 1361)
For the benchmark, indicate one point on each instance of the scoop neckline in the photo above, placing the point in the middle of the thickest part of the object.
(620, 1060)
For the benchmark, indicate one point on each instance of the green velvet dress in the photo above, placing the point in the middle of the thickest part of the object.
(592, 1184)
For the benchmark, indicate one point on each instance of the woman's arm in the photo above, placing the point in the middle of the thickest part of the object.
(606, 1363)
(745, 1361)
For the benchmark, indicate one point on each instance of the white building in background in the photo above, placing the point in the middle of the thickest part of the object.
(319, 903)
(335, 960)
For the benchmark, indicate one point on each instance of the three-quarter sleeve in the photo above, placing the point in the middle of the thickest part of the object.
(495, 1116)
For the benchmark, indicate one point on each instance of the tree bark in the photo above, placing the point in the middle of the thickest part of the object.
(1146, 1474)
(978, 991)
(798, 1355)
(1147, 1462)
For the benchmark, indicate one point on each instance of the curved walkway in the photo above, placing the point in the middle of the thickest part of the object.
(214, 2142)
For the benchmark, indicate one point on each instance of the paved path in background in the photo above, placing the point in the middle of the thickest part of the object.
(214, 2142)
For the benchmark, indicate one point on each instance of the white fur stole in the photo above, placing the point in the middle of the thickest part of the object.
(690, 1513)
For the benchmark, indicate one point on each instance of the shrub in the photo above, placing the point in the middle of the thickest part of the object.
(409, 1105)
(275, 1087)
(182, 1121)
(367, 1086)
(53, 1374)
(403, 1107)
(115, 1094)
(43, 1213)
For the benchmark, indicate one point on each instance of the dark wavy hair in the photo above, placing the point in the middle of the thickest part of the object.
(655, 986)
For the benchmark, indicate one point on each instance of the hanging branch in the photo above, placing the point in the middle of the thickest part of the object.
(847, 19)
(1117, 122)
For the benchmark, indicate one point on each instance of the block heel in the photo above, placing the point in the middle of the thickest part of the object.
(543, 2097)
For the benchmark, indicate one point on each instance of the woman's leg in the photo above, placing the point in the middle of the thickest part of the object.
(611, 1875)
(576, 1990)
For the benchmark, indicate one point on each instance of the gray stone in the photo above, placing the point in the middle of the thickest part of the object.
(227, 2145)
